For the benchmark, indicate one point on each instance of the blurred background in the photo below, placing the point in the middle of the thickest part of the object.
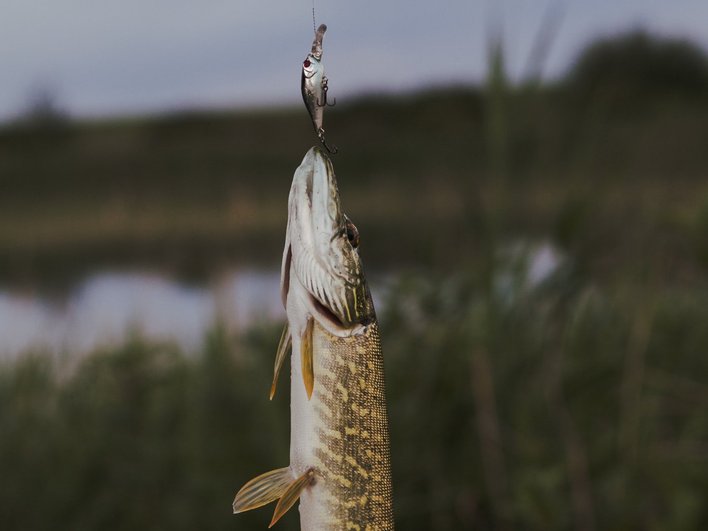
(530, 183)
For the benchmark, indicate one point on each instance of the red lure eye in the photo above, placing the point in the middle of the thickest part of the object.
(306, 63)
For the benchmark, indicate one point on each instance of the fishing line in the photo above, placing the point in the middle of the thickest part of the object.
(314, 24)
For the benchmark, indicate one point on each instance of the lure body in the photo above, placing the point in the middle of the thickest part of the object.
(313, 86)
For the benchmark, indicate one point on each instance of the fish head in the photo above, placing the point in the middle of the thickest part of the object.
(310, 67)
(321, 254)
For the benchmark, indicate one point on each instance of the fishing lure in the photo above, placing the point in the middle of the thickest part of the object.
(314, 86)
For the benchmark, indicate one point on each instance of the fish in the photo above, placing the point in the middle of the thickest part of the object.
(314, 87)
(340, 465)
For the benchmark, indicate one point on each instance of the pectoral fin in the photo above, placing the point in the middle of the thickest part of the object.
(291, 495)
(262, 490)
(283, 348)
(306, 358)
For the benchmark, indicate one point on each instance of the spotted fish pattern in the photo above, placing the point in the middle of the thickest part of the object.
(352, 461)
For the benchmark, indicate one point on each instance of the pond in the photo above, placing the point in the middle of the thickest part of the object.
(109, 307)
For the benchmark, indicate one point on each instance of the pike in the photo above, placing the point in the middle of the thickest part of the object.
(339, 445)
(313, 86)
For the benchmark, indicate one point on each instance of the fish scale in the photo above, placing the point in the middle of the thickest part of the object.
(352, 431)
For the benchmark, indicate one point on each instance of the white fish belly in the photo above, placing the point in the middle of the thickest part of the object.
(304, 426)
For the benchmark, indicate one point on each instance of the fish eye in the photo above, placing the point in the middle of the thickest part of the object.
(306, 63)
(352, 233)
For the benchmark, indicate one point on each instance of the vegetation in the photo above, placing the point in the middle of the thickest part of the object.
(578, 402)
(605, 148)
(560, 406)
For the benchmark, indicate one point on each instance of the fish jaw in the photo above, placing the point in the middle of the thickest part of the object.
(319, 253)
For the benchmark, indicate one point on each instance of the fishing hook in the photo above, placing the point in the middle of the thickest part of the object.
(332, 149)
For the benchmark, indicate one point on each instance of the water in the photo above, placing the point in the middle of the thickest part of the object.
(108, 307)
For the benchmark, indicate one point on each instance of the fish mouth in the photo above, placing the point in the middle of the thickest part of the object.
(318, 254)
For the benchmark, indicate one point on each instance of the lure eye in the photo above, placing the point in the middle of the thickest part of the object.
(352, 233)
(307, 63)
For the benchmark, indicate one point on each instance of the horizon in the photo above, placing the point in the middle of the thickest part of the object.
(133, 60)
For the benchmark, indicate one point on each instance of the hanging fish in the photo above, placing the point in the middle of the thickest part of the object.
(314, 86)
(340, 466)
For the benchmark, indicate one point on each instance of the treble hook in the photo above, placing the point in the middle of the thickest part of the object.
(325, 88)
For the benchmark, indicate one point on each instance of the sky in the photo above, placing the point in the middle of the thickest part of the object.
(103, 58)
